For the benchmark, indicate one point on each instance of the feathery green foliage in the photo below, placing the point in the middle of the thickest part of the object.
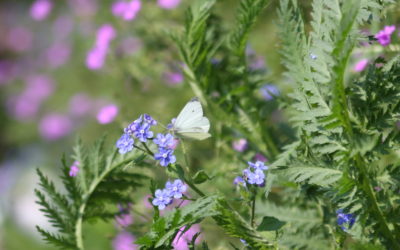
(105, 181)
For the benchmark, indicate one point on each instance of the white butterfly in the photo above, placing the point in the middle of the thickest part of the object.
(191, 123)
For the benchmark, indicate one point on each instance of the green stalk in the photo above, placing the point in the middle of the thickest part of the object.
(253, 209)
(86, 197)
(189, 180)
(368, 189)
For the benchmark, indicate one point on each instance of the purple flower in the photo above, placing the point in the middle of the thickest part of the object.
(95, 58)
(182, 240)
(8, 70)
(257, 63)
(168, 4)
(107, 114)
(149, 120)
(165, 156)
(143, 133)
(174, 78)
(40, 9)
(240, 145)
(19, 39)
(62, 27)
(257, 177)
(164, 141)
(176, 188)
(258, 165)
(260, 157)
(345, 221)
(80, 105)
(118, 8)
(55, 126)
(244, 242)
(58, 54)
(84, 8)
(105, 34)
(39, 87)
(171, 125)
(125, 144)
(129, 46)
(361, 65)
(384, 36)
(124, 220)
(127, 10)
(269, 91)
(134, 126)
(124, 241)
(239, 180)
(174, 144)
(313, 56)
(162, 199)
(74, 169)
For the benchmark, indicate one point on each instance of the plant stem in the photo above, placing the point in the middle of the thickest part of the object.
(366, 184)
(253, 209)
(86, 197)
(189, 180)
(147, 149)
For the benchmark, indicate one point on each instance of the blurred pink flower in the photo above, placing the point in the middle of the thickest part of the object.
(107, 114)
(8, 71)
(360, 65)
(84, 8)
(118, 8)
(146, 202)
(126, 10)
(240, 145)
(129, 46)
(132, 10)
(62, 27)
(80, 105)
(124, 220)
(22, 108)
(40, 9)
(39, 87)
(74, 169)
(174, 144)
(384, 35)
(26, 105)
(58, 54)
(96, 56)
(168, 4)
(124, 241)
(182, 241)
(105, 34)
(174, 78)
(19, 39)
(260, 157)
(55, 126)
(257, 63)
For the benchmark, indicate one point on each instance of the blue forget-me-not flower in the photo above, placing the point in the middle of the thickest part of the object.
(125, 144)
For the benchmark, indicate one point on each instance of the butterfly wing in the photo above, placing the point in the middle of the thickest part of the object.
(191, 123)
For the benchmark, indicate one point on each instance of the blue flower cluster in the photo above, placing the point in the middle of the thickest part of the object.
(164, 197)
(345, 221)
(165, 149)
(140, 129)
(254, 174)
